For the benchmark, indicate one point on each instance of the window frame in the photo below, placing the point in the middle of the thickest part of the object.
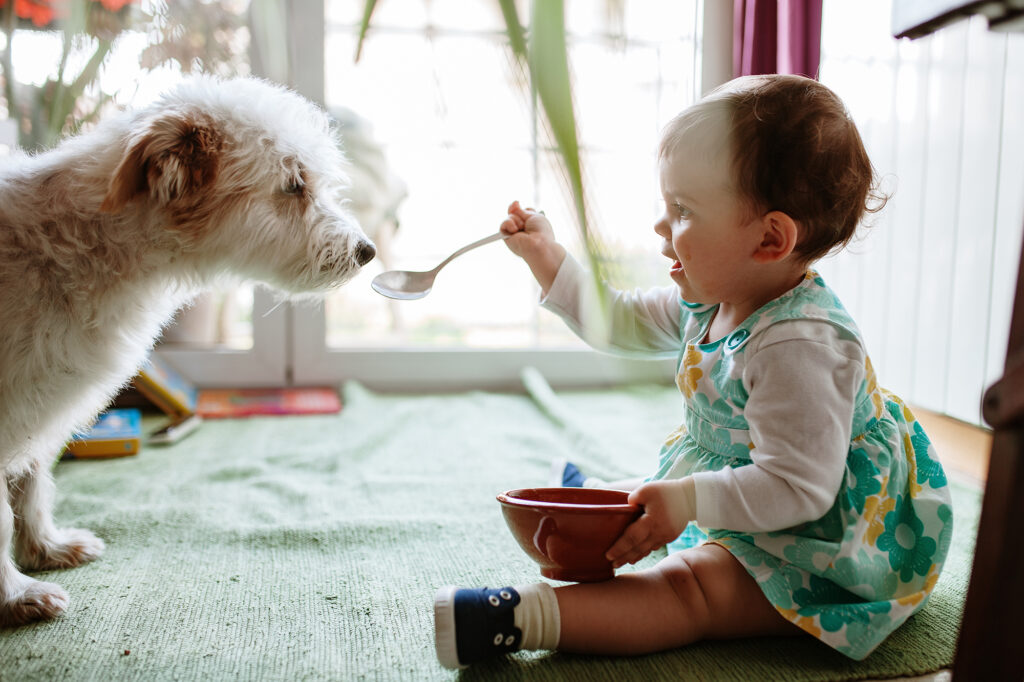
(266, 364)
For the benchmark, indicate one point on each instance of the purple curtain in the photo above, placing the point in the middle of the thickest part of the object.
(776, 36)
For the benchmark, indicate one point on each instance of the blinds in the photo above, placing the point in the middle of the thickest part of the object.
(931, 284)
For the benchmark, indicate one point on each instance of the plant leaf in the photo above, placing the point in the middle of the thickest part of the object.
(516, 35)
(549, 72)
(364, 25)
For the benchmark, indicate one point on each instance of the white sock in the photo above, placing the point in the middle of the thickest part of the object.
(537, 616)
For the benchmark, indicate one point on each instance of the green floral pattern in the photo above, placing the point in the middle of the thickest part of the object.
(861, 480)
(903, 539)
(856, 574)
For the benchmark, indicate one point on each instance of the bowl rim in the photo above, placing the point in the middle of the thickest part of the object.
(506, 499)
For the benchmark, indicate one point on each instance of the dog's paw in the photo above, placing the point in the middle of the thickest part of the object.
(32, 600)
(68, 548)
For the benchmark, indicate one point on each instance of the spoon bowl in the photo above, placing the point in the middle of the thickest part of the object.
(403, 285)
(409, 285)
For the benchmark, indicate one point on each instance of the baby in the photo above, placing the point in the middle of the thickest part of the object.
(817, 503)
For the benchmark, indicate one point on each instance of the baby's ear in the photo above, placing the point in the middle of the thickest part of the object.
(175, 157)
(779, 236)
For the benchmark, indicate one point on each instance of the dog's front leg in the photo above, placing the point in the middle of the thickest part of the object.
(22, 599)
(39, 544)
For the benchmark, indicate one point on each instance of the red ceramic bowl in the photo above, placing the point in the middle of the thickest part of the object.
(568, 530)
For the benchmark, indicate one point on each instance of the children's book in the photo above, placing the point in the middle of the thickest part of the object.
(173, 394)
(166, 389)
(116, 433)
(245, 402)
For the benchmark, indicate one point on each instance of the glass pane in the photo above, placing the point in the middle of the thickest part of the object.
(220, 318)
(454, 137)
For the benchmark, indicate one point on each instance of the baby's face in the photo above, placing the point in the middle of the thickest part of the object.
(708, 232)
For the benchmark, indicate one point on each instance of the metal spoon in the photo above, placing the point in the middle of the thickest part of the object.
(406, 285)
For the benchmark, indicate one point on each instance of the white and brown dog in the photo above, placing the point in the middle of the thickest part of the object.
(103, 238)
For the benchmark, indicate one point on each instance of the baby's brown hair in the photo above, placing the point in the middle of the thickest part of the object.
(794, 149)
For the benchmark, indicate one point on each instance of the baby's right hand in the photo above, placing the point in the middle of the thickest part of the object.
(531, 232)
(533, 240)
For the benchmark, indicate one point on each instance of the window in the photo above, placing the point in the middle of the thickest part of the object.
(436, 97)
(436, 93)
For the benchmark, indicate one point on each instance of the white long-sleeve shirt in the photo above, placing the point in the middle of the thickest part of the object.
(802, 379)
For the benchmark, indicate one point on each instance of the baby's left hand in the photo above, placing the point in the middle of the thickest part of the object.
(668, 507)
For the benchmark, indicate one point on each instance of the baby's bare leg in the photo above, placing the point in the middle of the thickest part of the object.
(699, 593)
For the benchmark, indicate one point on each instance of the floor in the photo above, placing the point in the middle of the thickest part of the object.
(964, 450)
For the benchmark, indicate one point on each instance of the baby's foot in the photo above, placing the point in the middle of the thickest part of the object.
(474, 625)
(565, 474)
(69, 547)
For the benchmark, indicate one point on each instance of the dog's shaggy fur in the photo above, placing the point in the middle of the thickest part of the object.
(103, 238)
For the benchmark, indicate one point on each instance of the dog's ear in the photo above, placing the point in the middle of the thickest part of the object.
(174, 159)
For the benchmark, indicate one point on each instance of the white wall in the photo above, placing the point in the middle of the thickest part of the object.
(931, 283)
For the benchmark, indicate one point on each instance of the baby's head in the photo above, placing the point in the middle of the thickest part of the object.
(793, 148)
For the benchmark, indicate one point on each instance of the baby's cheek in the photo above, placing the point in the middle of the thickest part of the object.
(682, 250)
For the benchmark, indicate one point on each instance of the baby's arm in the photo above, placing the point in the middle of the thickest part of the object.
(632, 323)
(644, 323)
(803, 380)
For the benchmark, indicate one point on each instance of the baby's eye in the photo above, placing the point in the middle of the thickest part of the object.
(681, 210)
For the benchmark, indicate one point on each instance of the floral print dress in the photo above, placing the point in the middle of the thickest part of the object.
(856, 574)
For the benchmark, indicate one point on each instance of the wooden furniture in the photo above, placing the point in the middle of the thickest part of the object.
(991, 642)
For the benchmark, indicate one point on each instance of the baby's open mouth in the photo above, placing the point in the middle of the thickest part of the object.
(676, 266)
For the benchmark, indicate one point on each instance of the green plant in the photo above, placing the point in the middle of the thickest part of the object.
(44, 111)
(196, 35)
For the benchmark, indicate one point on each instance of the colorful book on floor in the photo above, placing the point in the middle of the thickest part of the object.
(172, 394)
(246, 402)
(117, 433)
(166, 389)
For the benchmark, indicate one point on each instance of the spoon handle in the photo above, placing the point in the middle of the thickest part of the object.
(469, 247)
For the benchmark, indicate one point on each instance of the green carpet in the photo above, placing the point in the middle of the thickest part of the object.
(310, 548)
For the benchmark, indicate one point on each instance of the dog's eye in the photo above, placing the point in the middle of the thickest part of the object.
(294, 187)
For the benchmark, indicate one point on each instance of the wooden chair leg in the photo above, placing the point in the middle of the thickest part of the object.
(991, 643)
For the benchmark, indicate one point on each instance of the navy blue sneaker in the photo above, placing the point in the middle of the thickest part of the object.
(565, 474)
(474, 625)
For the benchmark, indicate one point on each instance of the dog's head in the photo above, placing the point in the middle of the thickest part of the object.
(248, 176)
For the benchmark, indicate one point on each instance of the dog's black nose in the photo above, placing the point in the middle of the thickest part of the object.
(365, 253)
